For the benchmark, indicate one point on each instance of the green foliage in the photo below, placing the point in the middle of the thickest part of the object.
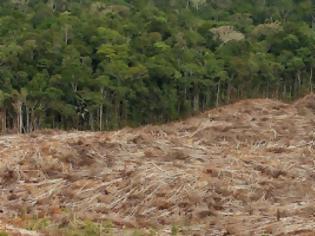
(76, 227)
(174, 230)
(104, 64)
(38, 224)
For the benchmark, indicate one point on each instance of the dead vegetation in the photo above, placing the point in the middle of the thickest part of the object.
(227, 33)
(242, 169)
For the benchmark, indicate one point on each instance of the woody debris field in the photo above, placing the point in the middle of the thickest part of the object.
(242, 169)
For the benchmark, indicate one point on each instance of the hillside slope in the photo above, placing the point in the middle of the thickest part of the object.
(242, 169)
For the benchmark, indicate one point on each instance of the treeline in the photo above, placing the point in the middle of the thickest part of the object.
(88, 64)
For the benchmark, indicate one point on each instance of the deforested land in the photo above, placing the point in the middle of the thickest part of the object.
(242, 169)
(157, 117)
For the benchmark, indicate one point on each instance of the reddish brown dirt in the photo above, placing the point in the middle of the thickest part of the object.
(242, 169)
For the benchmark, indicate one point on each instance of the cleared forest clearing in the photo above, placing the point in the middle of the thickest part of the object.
(243, 169)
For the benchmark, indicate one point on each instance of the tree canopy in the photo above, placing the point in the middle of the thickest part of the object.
(103, 64)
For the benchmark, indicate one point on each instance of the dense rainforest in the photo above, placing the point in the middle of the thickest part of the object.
(103, 64)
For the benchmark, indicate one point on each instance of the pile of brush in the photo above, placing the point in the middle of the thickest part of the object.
(246, 168)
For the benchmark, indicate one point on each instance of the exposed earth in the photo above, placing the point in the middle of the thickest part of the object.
(242, 169)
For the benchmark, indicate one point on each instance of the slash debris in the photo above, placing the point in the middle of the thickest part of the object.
(243, 169)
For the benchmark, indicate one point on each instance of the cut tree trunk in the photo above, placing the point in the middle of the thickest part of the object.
(18, 123)
(21, 125)
(3, 116)
(218, 94)
(101, 117)
(311, 80)
(27, 120)
(196, 102)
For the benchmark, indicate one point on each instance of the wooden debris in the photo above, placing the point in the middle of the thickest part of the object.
(250, 170)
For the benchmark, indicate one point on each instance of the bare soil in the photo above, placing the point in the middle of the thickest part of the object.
(242, 169)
